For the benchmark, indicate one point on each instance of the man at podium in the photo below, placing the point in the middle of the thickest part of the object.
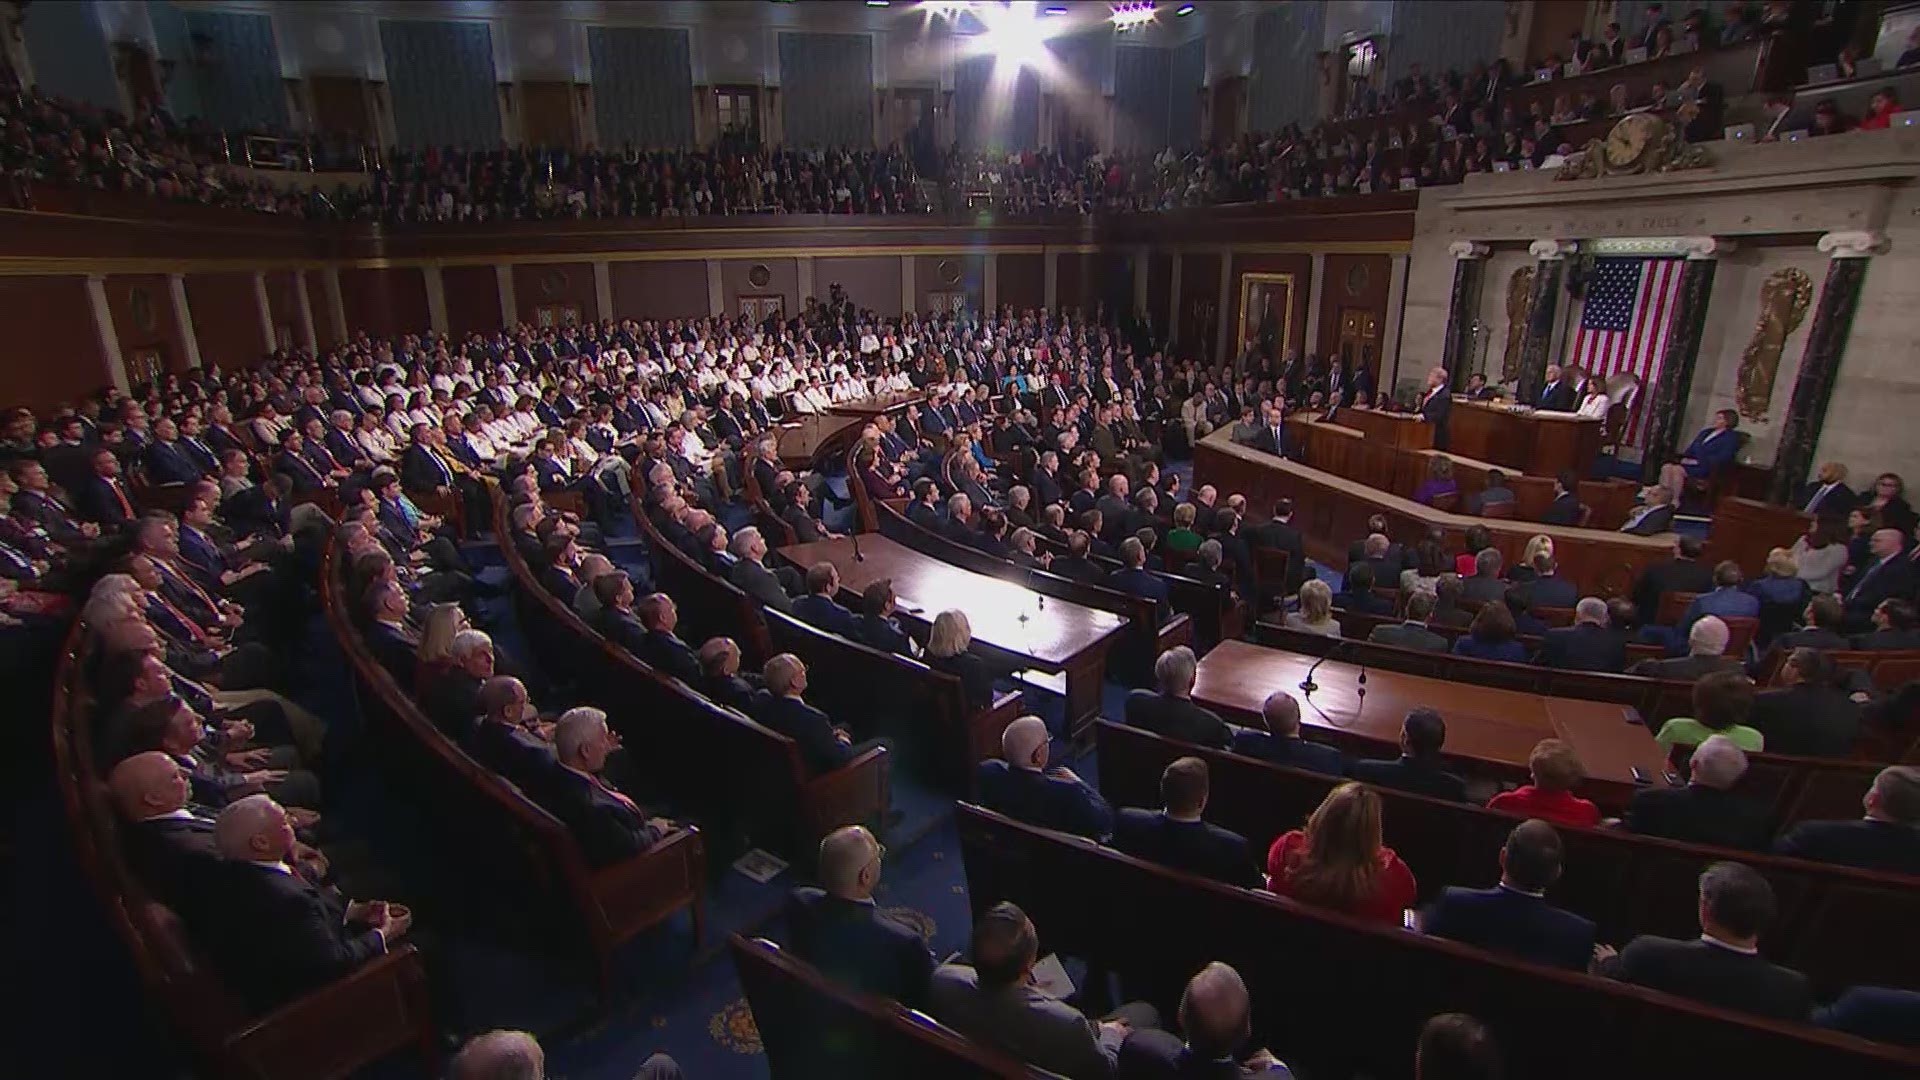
(1437, 405)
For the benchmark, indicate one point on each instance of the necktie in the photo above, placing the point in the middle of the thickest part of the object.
(1819, 494)
(193, 628)
(631, 806)
(125, 506)
(1862, 583)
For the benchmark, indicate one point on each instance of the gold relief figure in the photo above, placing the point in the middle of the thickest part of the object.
(1519, 291)
(1784, 299)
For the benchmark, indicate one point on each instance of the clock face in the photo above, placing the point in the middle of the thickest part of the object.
(1629, 139)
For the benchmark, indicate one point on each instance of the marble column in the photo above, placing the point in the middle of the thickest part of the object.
(1463, 308)
(1542, 302)
(1669, 395)
(1820, 364)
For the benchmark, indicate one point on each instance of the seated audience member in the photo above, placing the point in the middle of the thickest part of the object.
(995, 1003)
(1338, 862)
(1519, 604)
(609, 825)
(1722, 702)
(1727, 600)
(1806, 713)
(1514, 917)
(839, 929)
(451, 694)
(1169, 711)
(1565, 508)
(1076, 564)
(950, 649)
(720, 678)
(1412, 632)
(1176, 835)
(1556, 772)
(1886, 838)
(1682, 573)
(1021, 786)
(1491, 636)
(1316, 611)
(1653, 516)
(1216, 1015)
(1183, 539)
(820, 607)
(1706, 649)
(1356, 593)
(1418, 769)
(1714, 447)
(1887, 573)
(507, 738)
(1281, 742)
(879, 628)
(1724, 966)
(1478, 539)
(659, 647)
(1706, 810)
(1588, 645)
(1134, 578)
(394, 644)
(1439, 481)
(276, 935)
(1548, 589)
(1455, 1046)
(168, 839)
(1896, 625)
(1207, 568)
(1822, 619)
(823, 746)
(1484, 586)
(1881, 1013)
(750, 574)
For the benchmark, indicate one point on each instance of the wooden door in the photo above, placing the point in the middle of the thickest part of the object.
(548, 116)
(1229, 95)
(736, 115)
(340, 105)
(1359, 340)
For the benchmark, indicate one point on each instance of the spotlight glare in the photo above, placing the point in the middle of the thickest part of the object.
(1011, 33)
(1184, 11)
(1131, 16)
(950, 9)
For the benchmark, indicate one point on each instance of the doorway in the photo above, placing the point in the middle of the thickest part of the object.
(736, 116)
(1359, 340)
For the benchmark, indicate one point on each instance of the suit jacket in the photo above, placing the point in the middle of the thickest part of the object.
(1177, 718)
(1811, 721)
(1557, 397)
(176, 859)
(277, 937)
(859, 946)
(1487, 590)
(1565, 510)
(1884, 580)
(1888, 639)
(95, 500)
(452, 701)
(1021, 1021)
(1408, 774)
(1553, 591)
(1684, 667)
(1366, 603)
(1832, 504)
(666, 653)
(1713, 974)
(1047, 800)
(757, 581)
(1409, 635)
(810, 729)
(397, 650)
(514, 753)
(1279, 536)
(1292, 752)
(1153, 1054)
(607, 828)
(1652, 523)
(1713, 452)
(1437, 409)
(1700, 815)
(827, 614)
(1870, 845)
(1880, 1013)
(1506, 921)
(1193, 846)
(1673, 575)
(1583, 647)
(168, 463)
(884, 634)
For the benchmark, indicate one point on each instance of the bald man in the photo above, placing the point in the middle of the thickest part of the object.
(839, 929)
(1885, 576)
(1021, 786)
(499, 1055)
(168, 840)
(1217, 1016)
(278, 936)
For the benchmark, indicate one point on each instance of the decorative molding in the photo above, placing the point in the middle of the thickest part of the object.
(1707, 247)
(1469, 249)
(1552, 250)
(1853, 244)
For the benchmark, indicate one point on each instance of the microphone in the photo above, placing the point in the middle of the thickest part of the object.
(1307, 684)
(857, 556)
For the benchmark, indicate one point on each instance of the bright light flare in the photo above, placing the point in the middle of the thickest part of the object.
(1013, 34)
(946, 9)
(1131, 16)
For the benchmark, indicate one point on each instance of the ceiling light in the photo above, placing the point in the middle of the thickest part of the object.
(949, 8)
(879, 3)
(1184, 11)
(1055, 11)
(1131, 16)
(1011, 34)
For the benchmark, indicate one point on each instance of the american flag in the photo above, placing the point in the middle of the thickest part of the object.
(1624, 325)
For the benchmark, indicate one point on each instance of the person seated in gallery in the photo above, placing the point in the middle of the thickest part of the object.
(1714, 448)
(1419, 768)
(1491, 636)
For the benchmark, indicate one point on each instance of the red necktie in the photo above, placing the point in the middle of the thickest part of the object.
(631, 806)
(174, 572)
(199, 635)
(125, 506)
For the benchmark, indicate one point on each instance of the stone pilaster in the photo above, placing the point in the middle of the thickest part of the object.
(1668, 396)
(1820, 364)
(1542, 303)
(1469, 272)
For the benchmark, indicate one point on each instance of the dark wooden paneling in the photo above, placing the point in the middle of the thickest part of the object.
(1300, 266)
(283, 302)
(782, 279)
(323, 330)
(1199, 306)
(871, 281)
(1160, 291)
(541, 285)
(340, 104)
(547, 114)
(1354, 281)
(226, 319)
(52, 351)
(1074, 283)
(384, 302)
(659, 290)
(1021, 281)
(143, 318)
(950, 274)
(473, 298)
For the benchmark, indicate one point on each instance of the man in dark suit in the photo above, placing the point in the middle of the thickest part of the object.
(1652, 517)
(1556, 394)
(1278, 534)
(1436, 406)
(1565, 508)
(503, 741)
(1216, 1014)
(1807, 713)
(782, 707)
(1281, 743)
(1418, 769)
(660, 648)
(1176, 835)
(1412, 633)
(1076, 564)
(1356, 593)
(1548, 589)
(878, 627)
(720, 677)
(392, 641)
(1706, 654)
(1724, 966)
(1170, 712)
(102, 497)
(276, 935)
(168, 839)
(608, 825)
(1045, 480)
(1135, 579)
(841, 931)
(751, 576)
(1683, 573)
(1705, 810)
(1888, 576)
(1886, 839)
(167, 460)
(1827, 496)
(1485, 586)
(1881, 1013)
(1514, 917)
(1822, 619)
(1272, 436)
(1587, 645)
(1896, 625)
(819, 608)
(1021, 786)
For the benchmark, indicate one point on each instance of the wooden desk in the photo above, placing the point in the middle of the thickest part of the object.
(812, 437)
(1491, 730)
(892, 401)
(1405, 431)
(1331, 511)
(1031, 630)
(1543, 444)
(1744, 530)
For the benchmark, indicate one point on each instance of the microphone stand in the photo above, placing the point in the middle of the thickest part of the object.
(857, 556)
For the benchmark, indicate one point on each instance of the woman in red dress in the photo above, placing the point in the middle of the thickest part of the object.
(1338, 861)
